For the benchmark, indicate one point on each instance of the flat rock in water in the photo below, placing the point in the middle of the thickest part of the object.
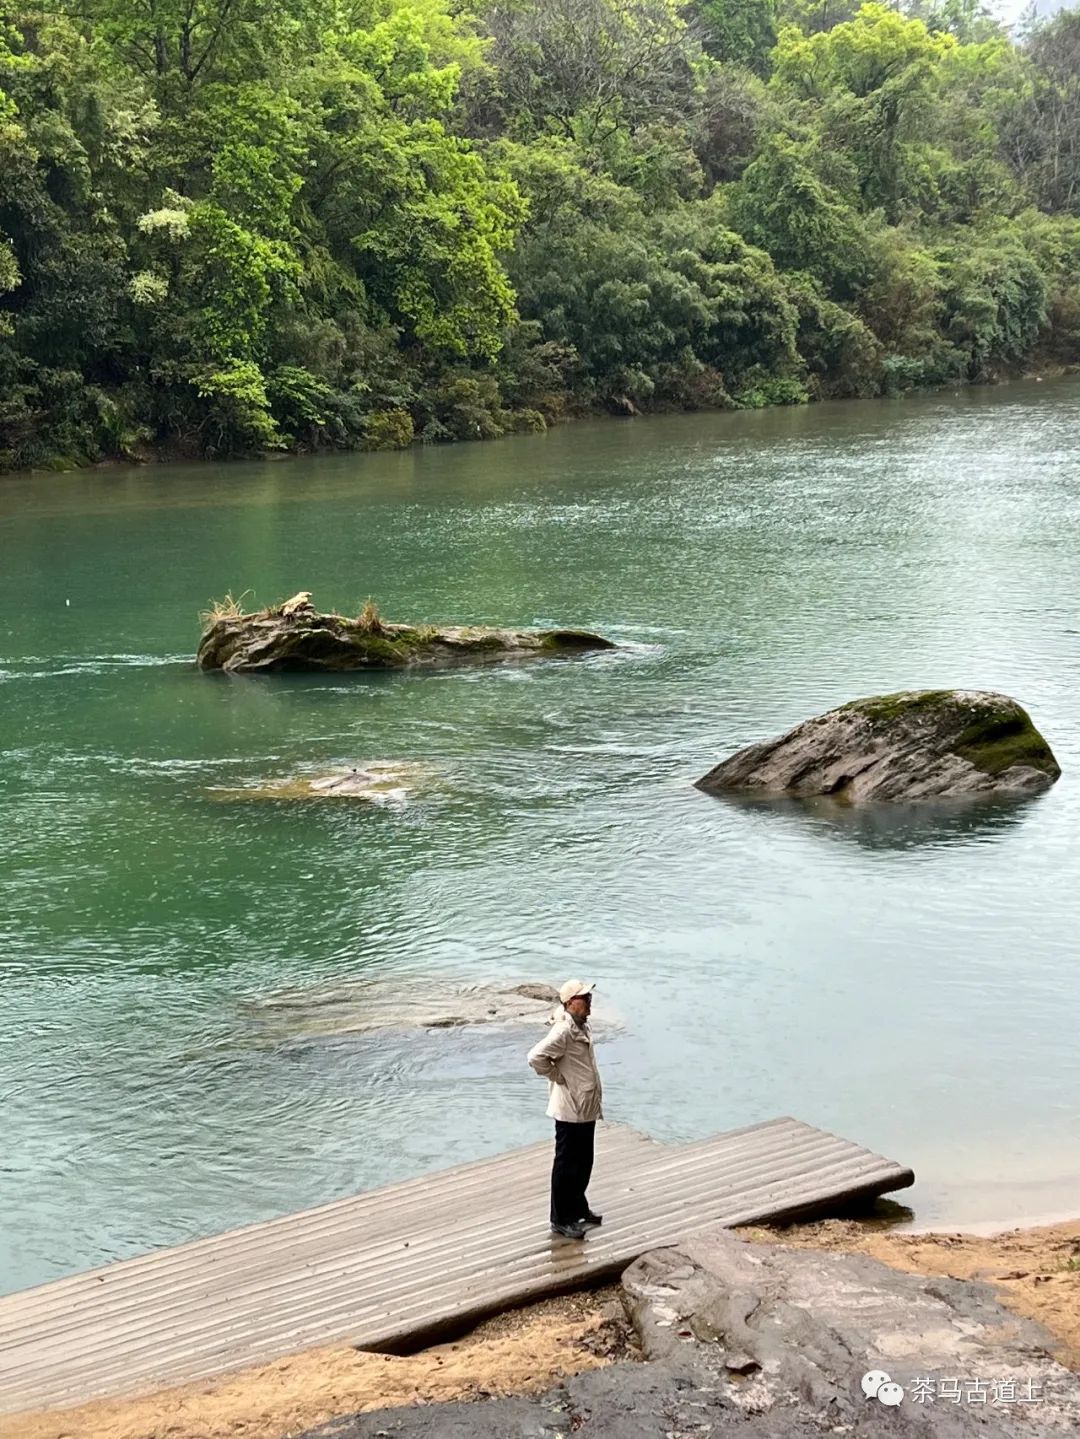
(295, 636)
(381, 782)
(368, 1007)
(920, 744)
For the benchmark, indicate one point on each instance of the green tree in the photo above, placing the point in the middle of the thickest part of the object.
(740, 31)
(782, 206)
(1042, 122)
(994, 298)
(586, 68)
(231, 225)
(871, 84)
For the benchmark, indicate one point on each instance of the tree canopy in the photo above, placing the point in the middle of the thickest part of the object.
(234, 225)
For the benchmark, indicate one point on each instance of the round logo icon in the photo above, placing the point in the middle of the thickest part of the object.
(876, 1384)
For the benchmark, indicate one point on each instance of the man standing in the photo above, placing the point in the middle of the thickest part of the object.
(565, 1058)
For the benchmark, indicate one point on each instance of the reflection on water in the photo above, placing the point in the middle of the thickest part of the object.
(926, 824)
(915, 990)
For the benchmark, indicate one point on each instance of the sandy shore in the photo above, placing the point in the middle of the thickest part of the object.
(1036, 1270)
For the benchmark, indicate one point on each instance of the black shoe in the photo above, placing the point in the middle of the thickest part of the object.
(568, 1231)
(591, 1220)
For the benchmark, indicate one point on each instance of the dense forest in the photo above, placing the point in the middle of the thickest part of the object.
(228, 226)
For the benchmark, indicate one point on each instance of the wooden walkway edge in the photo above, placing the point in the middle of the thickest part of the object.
(392, 1269)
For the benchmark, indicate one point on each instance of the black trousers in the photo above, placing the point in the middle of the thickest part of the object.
(572, 1170)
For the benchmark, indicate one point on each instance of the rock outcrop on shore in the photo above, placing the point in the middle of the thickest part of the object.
(767, 1341)
(787, 1329)
(919, 744)
(296, 636)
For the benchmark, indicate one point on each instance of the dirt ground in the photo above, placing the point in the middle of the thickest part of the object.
(528, 1350)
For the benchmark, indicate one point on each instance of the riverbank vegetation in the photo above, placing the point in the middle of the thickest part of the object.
(229, 226)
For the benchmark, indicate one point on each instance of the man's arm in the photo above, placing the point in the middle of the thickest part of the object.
(543, 1057)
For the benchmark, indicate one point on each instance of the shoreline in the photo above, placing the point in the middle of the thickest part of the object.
(1035, 1270)
(989, 1228)
(164, 455)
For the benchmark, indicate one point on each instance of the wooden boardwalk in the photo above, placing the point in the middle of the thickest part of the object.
(395, 1267)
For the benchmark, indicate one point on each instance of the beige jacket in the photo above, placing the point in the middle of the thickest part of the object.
(565, 1057)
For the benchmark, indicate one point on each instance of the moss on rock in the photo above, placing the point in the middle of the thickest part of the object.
(886, 709)
(997, 732)
(996, 741)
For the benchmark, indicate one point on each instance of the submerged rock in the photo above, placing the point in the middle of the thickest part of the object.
(919, 744)
(378, 783)
(369, 1006)
(296, 636)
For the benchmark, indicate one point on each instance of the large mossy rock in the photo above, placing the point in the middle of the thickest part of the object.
(921, 744)
(295, 636)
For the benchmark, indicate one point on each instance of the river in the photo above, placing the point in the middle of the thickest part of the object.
(911, 981)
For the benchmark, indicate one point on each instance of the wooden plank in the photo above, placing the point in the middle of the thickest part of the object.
(314, 1303)
(322, 1226)
(394, 1267)
(58, 1311)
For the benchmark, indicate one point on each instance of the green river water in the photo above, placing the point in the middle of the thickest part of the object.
(910, 980)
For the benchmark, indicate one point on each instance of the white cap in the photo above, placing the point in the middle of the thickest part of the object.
(573, 987)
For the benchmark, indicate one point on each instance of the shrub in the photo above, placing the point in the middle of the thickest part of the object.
(388, 430)
(237, 418)
(528, 422)
(772, 391)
